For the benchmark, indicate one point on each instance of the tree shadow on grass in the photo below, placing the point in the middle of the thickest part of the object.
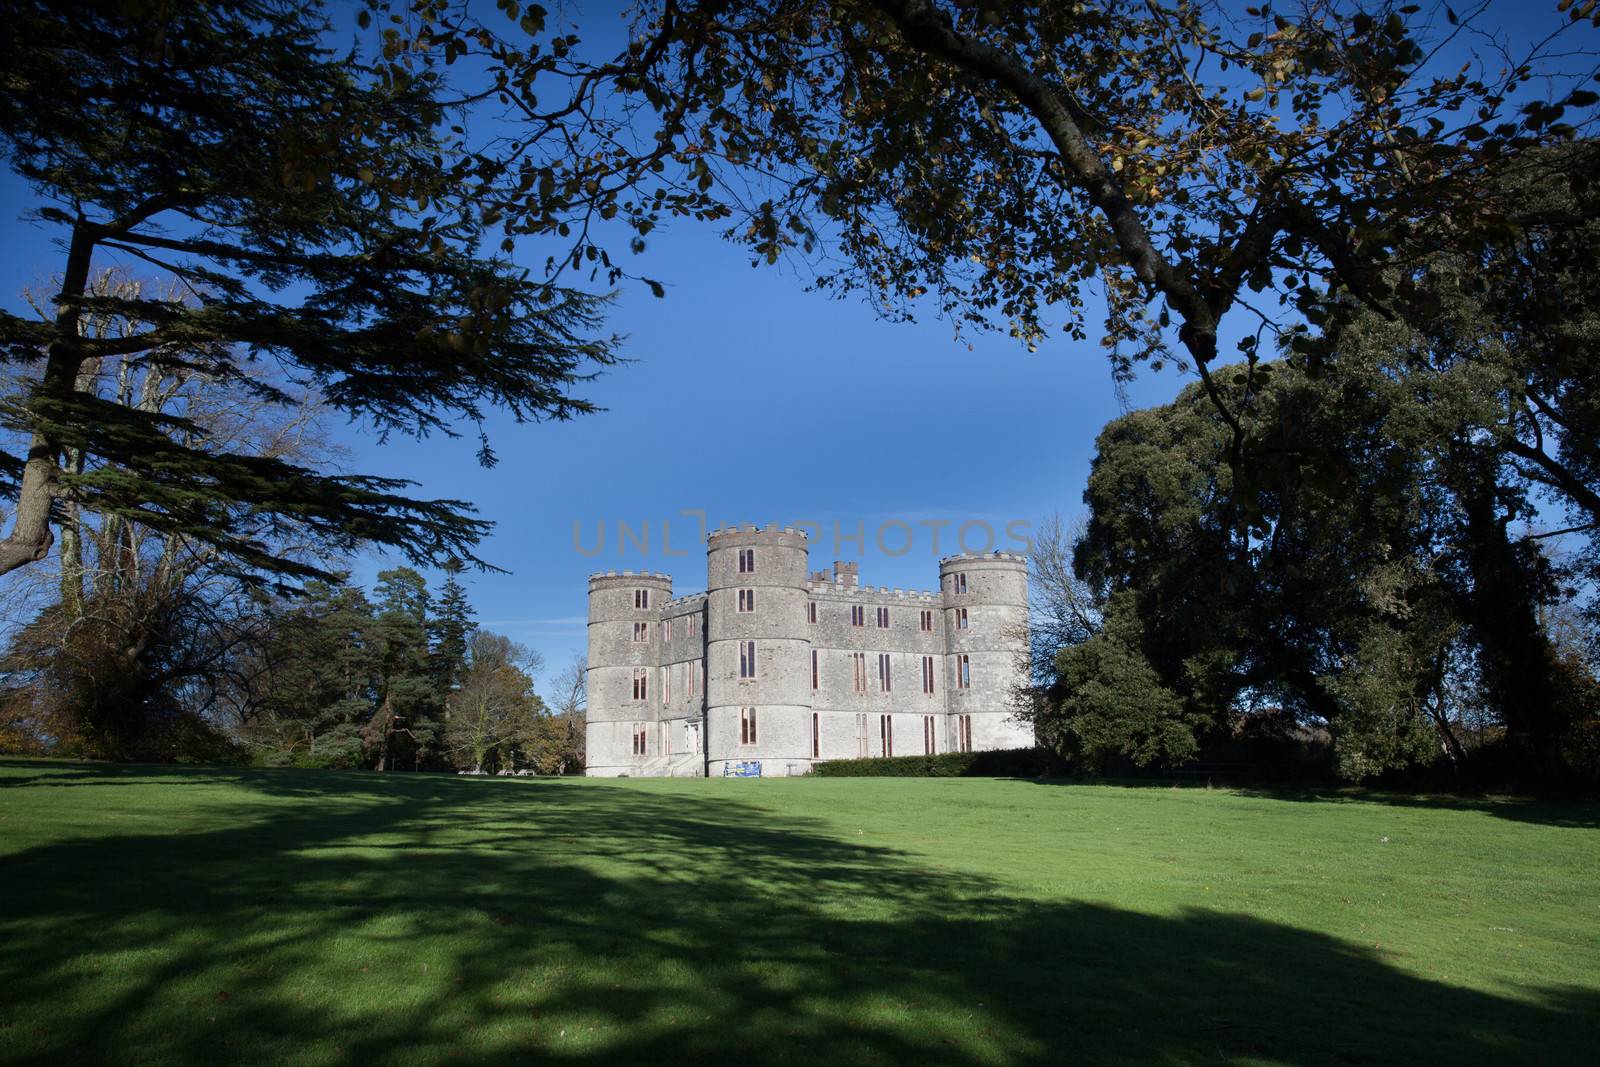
(1576, 815)
(58, 772)
(1573, 814)
(345, 919)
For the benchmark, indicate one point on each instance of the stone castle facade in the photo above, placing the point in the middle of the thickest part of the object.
(774, 667)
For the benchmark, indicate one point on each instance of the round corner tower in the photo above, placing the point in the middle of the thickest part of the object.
(758, 649)
(985, 601)
(624, 651)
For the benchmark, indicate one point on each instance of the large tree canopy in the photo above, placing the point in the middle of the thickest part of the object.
(1394, 547)
(315, 210)
(1002, 160)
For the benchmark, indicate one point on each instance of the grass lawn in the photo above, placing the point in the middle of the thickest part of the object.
(161, 915)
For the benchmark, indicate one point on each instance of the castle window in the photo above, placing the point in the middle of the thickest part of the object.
(641, 683)
(964, 733)
(884, 680)
(961, 618)
(814, 672)
(861, 735)
(694, 680)
(747, 600)
(666, 685)
(883, 618)
(859, 660)
(747, 659)
(747, 726)
(694, 626)
(816, 736)
(747, 561)
(886, 733)
(925, 624)
(666, 739)
(963, 673)
(640, 742)
(811, 612)
(641, 599)
(929, 745)
(641, 631)
(858, 616)
(958, 583)
(927, 675)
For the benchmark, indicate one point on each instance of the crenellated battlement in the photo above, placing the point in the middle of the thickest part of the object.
(1011, 558)
(776, 664)
(834, 587)
(688, 600)
(771, 534)
(655, 579)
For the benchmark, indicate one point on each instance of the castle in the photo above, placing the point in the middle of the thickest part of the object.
(774, 668)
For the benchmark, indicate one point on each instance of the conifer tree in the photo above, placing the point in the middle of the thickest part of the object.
(451, 630)
(312, 206)
(407, 718)
(314, 692)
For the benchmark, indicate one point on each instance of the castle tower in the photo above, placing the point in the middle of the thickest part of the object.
(623, 678)
(756, 602)
(985, 600)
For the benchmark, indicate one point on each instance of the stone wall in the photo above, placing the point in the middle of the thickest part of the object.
(797, 722)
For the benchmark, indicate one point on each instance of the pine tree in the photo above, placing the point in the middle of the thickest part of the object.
(451, 629)
(407, 720)
(316, 690)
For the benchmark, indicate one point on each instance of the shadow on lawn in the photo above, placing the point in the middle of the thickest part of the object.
(1577, 815)
(1572, 814)
(436, 920)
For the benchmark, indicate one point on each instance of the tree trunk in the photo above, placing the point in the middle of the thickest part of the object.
(1516, 658)
(31, 537)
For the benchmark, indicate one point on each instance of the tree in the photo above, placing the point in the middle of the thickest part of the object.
(136, 631)
(1061, 607)
(1004, 160)
(571, 688)
(554, 743)
(1109, 701)
(1380, 562)
(408, 716)
(314, 681)
(1501, 377)
(315, 211)
(495, 705)
(131, 673)
(1381, 566)
(1062, 613)
(451, 630)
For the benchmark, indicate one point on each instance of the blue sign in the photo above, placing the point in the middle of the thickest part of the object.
(742, 769)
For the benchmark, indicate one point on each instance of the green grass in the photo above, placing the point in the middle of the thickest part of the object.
(157, 915)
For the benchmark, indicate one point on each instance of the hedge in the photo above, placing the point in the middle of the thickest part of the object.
(998, 763)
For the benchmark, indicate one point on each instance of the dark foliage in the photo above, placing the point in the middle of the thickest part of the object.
(999, 763)
(312, 206)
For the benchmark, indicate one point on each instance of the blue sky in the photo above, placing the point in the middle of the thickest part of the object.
(752, 401)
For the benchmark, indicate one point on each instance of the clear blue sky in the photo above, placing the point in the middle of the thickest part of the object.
(753, 401)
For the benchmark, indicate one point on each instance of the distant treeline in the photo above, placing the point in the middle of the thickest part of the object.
(178, 664)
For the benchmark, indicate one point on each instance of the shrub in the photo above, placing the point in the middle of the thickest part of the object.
(999, 763)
